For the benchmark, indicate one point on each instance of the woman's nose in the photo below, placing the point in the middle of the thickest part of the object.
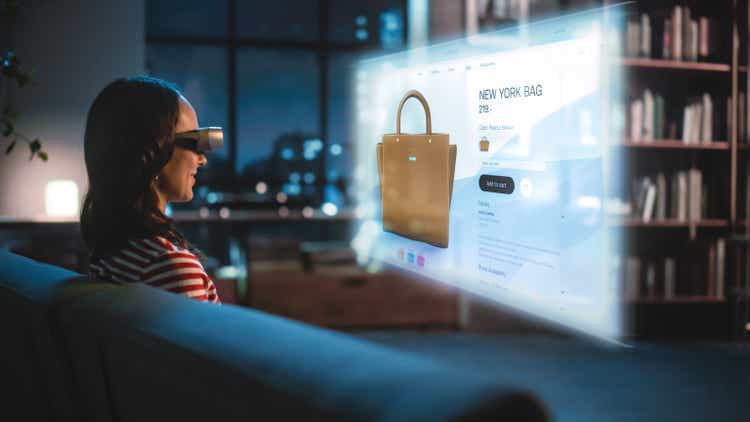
(202, 160)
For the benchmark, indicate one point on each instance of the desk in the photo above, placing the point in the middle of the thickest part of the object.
(348, 296)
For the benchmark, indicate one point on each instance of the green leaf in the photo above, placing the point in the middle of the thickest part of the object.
(43, 155)
(35, 146)
(10, 147)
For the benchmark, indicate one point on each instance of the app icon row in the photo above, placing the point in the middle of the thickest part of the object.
(411, 258)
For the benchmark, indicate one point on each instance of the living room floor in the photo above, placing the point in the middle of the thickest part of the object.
(580, 380)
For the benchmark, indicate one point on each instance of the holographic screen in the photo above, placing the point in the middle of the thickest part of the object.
(531, 111)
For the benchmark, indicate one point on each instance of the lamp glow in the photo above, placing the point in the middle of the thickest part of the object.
(61, 198)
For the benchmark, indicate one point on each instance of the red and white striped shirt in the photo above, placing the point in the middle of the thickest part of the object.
(159, 263)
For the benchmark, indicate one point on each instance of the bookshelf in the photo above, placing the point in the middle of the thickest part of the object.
(677, 300)
(669, 223)
(633, 62)
(704, 78)
(674, 144)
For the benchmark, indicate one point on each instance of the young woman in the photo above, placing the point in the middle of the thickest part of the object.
(136, 164)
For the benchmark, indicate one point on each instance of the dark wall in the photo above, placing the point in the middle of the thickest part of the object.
(76, 47)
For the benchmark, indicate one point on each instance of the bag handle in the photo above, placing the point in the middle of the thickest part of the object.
(418, 95)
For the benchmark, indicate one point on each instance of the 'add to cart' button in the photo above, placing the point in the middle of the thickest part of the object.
(496, 184)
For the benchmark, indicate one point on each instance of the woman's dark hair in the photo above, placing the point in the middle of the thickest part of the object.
(128, 140)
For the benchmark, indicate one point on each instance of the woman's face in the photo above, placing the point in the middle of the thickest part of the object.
(176, 179)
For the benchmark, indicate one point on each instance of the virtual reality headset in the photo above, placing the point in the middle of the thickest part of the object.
(204, 139)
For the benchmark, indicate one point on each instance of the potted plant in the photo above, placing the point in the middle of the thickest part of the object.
(12, 76)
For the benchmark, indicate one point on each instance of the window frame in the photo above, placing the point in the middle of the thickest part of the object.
(233, 43)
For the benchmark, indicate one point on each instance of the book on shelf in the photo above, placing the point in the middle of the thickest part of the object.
(679, 196)
(687, 38)
(695, 35)
(695, 272)
(684, 37)
(632, 36)
(716, 269)
(648, 201)
(683, 198)
(688, 119)
(632, 278)
(677, 33)
(698, 121)
(650, 279)
(704, 29)
(721, 256)
(695, 182)
(648, 116)
(661, 192)
(669, 278)
(659, 117)
(707, 123)
(642, 189)
(692, 51)
(647, 120)
(636, 120)
(645, 36)
(667, 40)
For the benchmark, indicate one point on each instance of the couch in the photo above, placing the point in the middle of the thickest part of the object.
(77, 349)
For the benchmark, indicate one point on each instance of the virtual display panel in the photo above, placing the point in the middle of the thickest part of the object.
(501, 189)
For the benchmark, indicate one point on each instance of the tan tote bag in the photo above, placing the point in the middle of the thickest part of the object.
(416, 180)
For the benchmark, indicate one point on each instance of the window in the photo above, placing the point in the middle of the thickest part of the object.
(275, 76)
(279, 120)
(289, 20)
(186, 19)
(374, 22)
(340, 115)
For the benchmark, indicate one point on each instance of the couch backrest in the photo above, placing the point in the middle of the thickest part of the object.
(168, 357)
(36, 379)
